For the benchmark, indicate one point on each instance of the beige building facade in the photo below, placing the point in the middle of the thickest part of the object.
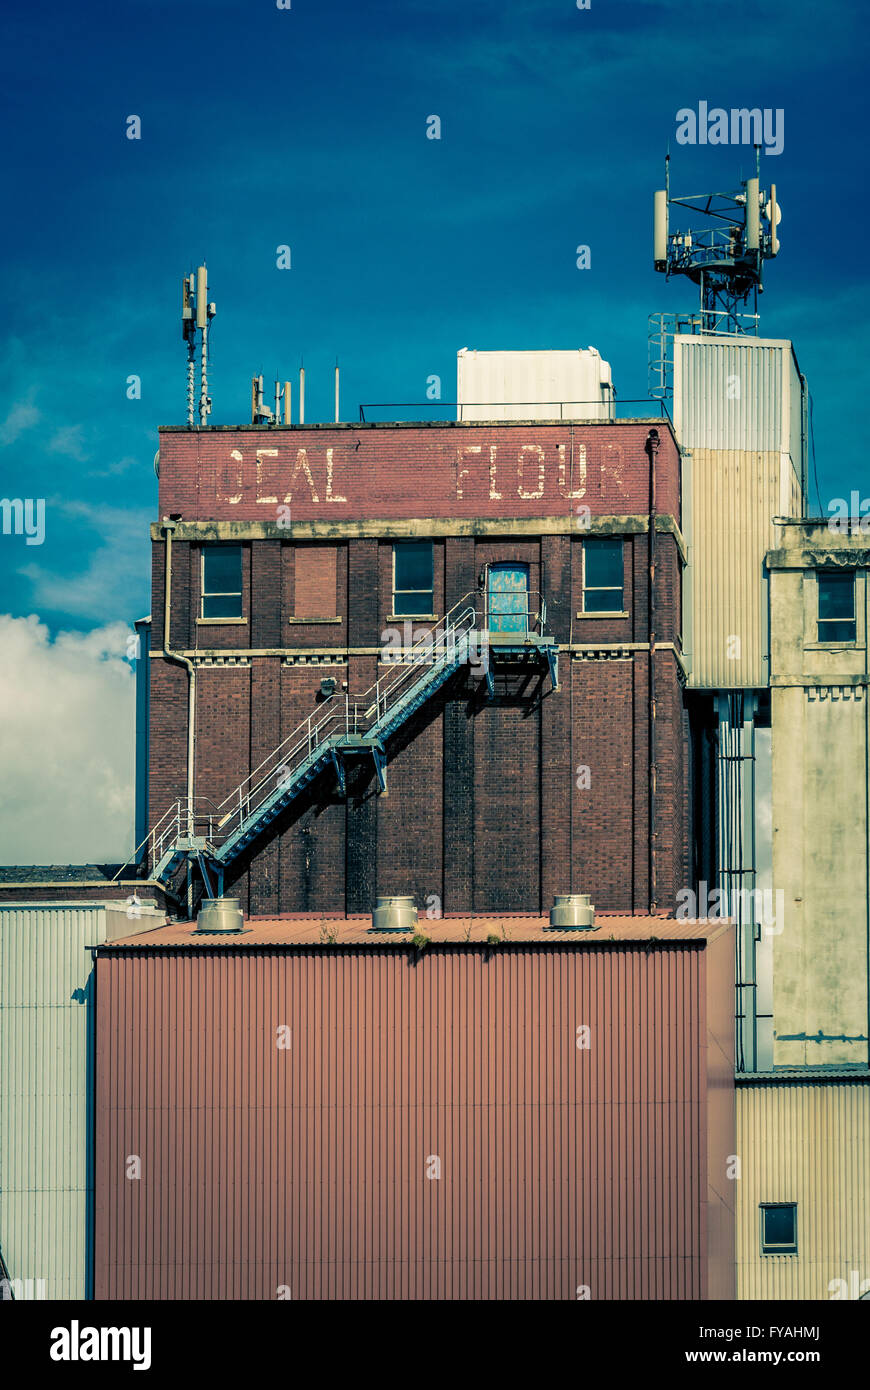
(803, 1142)
(819, 595)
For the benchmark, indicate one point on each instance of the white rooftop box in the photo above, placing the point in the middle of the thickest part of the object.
(572, 385)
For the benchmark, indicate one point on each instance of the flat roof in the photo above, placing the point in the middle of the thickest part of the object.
(318, 930)
(410, 425)
(51, 874)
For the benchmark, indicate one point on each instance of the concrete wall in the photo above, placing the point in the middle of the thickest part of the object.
(819, 732)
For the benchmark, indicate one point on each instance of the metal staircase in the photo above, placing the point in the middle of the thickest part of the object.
(344, 727)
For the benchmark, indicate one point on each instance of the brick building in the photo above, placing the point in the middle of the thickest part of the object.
(310, 559)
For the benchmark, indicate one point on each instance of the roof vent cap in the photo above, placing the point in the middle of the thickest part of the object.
(572, 912)
(393, 913)
(220, 915)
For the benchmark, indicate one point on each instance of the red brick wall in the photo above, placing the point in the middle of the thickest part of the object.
(488, 805)
(341, 472)
(486, 808)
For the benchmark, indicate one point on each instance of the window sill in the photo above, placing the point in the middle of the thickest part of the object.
(221, 622)
(412, 618)
(614, 614)
(849, 643)
(312, 621)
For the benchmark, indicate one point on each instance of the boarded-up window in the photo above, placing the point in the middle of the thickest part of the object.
(315, 582)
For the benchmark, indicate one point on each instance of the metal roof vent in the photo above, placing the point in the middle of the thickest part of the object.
(220, 915)
(394, 914)
(572, 912)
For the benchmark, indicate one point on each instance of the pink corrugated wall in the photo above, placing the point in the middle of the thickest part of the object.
(306, 1168)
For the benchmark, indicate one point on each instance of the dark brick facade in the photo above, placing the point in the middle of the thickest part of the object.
(491, 804)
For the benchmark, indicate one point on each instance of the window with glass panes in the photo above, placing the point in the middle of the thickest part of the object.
(413, 584)
(602, 575)
(837, 606)
(222, 581)
(779, 1228)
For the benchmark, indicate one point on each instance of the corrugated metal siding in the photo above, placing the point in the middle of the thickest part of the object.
(305, 1168)
(734, 498)
(708, 415)
(44, 1181)
(808, 1144)
(741, 478)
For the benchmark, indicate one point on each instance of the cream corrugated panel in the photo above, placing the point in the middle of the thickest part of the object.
(735, 497)
(808, 1144)
(44, 1185)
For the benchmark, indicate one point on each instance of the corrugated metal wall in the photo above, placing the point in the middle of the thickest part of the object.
(734, 412)
(306, 1168)
(810, 1144)
(45, 1187)
(728, 394)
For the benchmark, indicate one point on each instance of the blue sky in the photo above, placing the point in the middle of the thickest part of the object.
(307, 127)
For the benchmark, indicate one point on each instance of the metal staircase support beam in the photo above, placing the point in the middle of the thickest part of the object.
(339, 772)
(380, 761)
(203, 869)
(553, 663)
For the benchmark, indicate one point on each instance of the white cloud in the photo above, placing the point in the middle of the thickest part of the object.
(68, 440)
(67, 739)
(20, 418)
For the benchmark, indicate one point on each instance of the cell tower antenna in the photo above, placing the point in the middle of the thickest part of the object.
(725, 254)
(196, 315)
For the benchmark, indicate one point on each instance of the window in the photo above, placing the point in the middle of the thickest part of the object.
(837, 606)
(778, 1228)
(413, 587)
(222, 581)
(508, 598)
(602, 576)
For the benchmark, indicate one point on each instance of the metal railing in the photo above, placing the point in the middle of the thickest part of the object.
(439, 646)
(526, 615)
(344, 716)
(183, 820)
(616, 409)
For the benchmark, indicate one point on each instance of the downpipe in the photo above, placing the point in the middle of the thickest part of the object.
(176, 657)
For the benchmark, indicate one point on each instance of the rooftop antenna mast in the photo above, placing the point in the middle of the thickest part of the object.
(724, 252)
(196, 315)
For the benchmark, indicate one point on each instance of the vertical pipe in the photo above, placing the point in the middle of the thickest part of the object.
(170, 655)
(337, 415)
(867, 796)
(288, 403)
(652, 445)
(277, 418)
(302, 395)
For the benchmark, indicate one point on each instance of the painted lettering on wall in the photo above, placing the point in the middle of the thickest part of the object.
(277, 476)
